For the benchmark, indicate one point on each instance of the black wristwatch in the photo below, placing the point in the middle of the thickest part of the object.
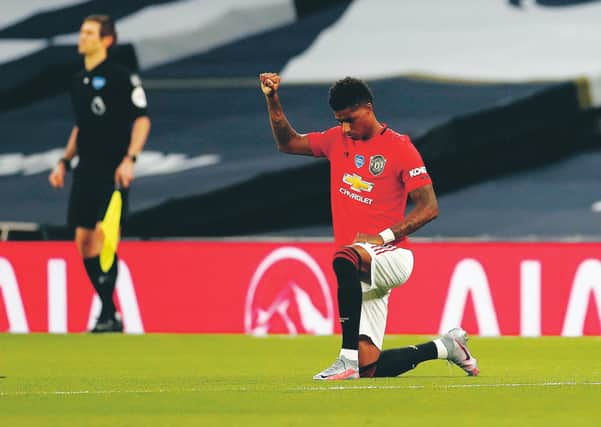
(66, 163)
(132, 157)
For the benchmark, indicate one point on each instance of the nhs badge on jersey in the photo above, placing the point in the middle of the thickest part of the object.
(98, 82)
(359, 160)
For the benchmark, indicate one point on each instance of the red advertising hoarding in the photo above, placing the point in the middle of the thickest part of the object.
(491, 289)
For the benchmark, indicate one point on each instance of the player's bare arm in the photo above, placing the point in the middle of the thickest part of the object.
(57, 176)
(425, 210)
(124, 174)
(287, 139)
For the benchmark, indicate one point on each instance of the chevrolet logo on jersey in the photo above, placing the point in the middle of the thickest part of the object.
(357, 183)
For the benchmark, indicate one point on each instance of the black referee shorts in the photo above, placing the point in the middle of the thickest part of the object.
(89, 200)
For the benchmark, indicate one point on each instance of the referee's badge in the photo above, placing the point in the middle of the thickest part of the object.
(138, 97)
(98, 82)
(135, 80)
(376, 164)
(98, 106)
(359, 160)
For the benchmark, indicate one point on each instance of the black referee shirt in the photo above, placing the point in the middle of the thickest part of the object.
(106, 100)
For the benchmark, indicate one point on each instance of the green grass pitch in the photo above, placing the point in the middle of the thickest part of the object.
(235, 380)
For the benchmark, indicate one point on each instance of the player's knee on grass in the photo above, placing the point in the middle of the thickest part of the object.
(368, 357)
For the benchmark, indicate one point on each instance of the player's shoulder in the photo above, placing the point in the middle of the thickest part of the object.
(397, 137)
(335, 132)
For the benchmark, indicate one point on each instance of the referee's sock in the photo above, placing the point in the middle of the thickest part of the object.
(104, 284)
(346, 266)
(400, 360)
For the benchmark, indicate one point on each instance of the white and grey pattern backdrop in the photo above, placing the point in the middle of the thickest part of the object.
(500, 96)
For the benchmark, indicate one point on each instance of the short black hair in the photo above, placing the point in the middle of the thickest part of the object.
(107, 26)
(349, 92)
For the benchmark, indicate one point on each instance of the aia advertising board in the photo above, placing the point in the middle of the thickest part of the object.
(491, 289)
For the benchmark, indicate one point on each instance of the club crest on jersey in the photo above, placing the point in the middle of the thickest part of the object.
(98, 82)
(376, 164)
(359, 160)
(357, 183)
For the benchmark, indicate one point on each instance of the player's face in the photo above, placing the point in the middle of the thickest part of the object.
(356, 121)
(90, 41)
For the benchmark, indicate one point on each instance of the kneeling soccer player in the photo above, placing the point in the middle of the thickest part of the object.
(373, 170)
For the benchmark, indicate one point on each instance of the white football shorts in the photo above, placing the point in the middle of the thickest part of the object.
(390, 268)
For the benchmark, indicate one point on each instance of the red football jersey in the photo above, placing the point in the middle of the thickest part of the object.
(369, 180)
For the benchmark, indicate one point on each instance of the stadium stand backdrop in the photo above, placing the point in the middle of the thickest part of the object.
(480, 112)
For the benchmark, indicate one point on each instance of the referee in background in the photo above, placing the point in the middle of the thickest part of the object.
(111, 128)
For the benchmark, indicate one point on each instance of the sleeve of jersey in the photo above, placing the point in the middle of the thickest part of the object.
(139, 103)
(414, 173)
(321, 142)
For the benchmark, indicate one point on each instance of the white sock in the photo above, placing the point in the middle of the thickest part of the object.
(442, 350)
(350, 354)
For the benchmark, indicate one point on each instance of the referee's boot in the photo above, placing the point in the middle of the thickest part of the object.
(455, 342)
(110, 324)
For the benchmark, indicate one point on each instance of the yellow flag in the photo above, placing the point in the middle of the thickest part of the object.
(110, 227)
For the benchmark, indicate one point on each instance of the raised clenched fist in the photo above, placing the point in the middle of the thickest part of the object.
(270, 83)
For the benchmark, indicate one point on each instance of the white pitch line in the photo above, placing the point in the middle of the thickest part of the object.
(434, 386)
(96, 392)
(303, 389)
